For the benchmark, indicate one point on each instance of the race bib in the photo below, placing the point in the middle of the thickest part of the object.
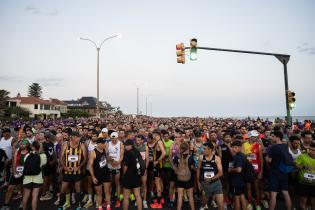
(142, 155)
(223, 148)
(73, 158)
(309, 176)
(20, 169)
(251, 156)
(231, 164)
(102, 163)
(255, 166)
(208, 174)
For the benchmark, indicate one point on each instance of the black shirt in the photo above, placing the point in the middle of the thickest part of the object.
(226, 157)
(130, 178)
(276, 153)
(49, 150)
(237, 179)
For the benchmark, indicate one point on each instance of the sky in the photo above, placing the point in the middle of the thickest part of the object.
(39, 43)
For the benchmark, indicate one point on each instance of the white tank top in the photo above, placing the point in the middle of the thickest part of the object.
(6, 146)
(114, 153)
(90, 147)
(294, 156)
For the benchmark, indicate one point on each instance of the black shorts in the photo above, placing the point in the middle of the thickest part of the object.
(49, 170)
(102, 179)
(157, 171)
(186, 185)
(72, 178)
(15, 181)
(32, 185)
(307, 191)
(169, 174)
(115, 171)
(237, 190)
(277, 185)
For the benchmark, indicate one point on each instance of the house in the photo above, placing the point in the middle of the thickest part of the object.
(60, 105)
(37, 107)
(86, 103)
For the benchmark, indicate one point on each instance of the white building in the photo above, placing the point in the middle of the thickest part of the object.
(37, 107)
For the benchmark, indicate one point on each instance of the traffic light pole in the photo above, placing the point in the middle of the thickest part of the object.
(284, 59)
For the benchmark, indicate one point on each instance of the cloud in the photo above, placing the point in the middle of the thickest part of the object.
(10, 79)
(54, 12)
(305, 48)
(49, 81)
(31, 9)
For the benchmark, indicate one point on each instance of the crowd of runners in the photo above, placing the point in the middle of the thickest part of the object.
(153, 163)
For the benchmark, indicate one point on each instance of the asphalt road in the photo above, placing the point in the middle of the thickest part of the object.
(48, 205)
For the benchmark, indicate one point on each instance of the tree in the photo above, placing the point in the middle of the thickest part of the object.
(76, 113)
(4, 96)
(35, 90)
(17, 111)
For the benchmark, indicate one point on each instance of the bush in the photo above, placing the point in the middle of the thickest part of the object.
(76, 113)
(16, 112)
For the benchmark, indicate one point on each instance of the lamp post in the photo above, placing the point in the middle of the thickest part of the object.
(98, 48)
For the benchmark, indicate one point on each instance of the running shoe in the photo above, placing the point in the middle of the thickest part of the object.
(88, 204)
(156, 206)
(66, 206)
(145, 204)
(46, 197)
(117, 204)
(162, 201)
(250, 206)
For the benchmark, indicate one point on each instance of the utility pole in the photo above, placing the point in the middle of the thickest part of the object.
(137, 100)
(146, 105)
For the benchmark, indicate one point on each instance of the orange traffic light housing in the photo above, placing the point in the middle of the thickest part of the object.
(180, 53)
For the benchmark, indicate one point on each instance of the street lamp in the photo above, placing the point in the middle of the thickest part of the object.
(98, 48)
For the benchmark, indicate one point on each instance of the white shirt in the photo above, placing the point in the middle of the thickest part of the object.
(114, 152)
(6, 146)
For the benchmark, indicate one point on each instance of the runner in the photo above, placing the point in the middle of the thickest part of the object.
(116, 155)
(254, 154)
(73, 159)
(131, 180)
(208, 174)
(237, 181)
(16, 178)
(100, 173)
(33, 178)
(158, 156)
(184, 167)
(141, 147)
(306, 177)
(90, 145)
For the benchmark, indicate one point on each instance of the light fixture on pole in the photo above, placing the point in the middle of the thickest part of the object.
(98, 48)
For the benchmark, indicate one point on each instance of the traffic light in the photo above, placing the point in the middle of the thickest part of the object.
(291, 99)
(193, 49)
(180, 52)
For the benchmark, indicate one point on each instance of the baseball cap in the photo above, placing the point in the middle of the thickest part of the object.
(128, 142)
(253, 133)
(114, 135)
(6, 130)
(236, 143)
(101, 140)
(105, 130)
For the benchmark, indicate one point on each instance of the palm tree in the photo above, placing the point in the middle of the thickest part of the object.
(35, 90)
(4, 96)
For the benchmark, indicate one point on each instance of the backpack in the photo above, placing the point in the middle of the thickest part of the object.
(32, 164)
(183, 171)
(140, 164)
(248, 171)
(286, 164)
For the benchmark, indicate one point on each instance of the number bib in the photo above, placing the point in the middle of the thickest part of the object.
(231, 164)
(73, 158)
(309, 176)
(103, 163)
(19, 169)
(208, 174)
(251, 156)
(142, 155)
(255, 166)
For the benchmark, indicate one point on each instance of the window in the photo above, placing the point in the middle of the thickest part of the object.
(46, 107)
(35, 106)
(41, 106)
